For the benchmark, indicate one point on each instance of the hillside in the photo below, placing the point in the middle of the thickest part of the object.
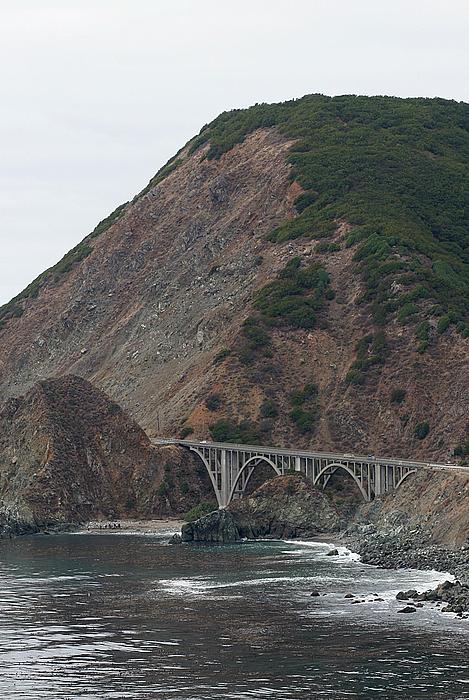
(68, 454)
(297, 274)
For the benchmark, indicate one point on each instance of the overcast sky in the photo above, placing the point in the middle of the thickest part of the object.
(97, 94)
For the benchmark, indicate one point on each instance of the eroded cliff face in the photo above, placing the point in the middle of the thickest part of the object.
(164, 288)
(431, 504)
(68, 453)
(154, 317)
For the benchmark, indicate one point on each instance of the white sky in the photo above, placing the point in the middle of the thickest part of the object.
(97, 94)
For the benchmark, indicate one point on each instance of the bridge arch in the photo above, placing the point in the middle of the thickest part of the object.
(335, 466)
(210, 473)
(246, 465)
(403, 478)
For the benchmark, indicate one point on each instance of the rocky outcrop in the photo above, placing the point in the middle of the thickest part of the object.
(432, 505)
(69, 454)
(284, 507)
(407, 550)
(454, 593)
(218, 527)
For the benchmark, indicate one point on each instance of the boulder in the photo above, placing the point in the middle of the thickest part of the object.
(218, 527)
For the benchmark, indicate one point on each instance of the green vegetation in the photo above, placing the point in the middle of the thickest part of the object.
(186, 431)
(398, 395)
(370, 351)
(292, 300)
(213, 402)
(421, 430)
(295, 297)
(254, 341)
(396, 170)
(305, 411)
(462, 450)
(14, 309)
(244, 432)
(220, 356)
(198, 511)
(326, 247)
(268, 409)
(422, 333)
(184, 488)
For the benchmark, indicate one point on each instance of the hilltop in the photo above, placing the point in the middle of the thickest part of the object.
(296, 274)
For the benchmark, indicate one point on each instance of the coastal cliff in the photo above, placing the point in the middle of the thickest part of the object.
(69, 454)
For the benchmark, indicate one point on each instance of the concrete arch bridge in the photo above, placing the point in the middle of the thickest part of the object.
(230, 466)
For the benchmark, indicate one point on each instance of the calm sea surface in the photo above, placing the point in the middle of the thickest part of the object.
(127, 616)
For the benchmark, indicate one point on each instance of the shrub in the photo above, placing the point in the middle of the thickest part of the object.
(326, 247)
(443, 324)
(269, 409)
(421, 430)
(186, 431)
(220, 356)
(354, 376)
(304, 419)
(184, 488)
(371, 350)
(198, 511)
(243, 432)
(398, 395)
(295, 297)
(162, 489)
(423, 335)
(406, 312)
(305, 410)
(213, 402)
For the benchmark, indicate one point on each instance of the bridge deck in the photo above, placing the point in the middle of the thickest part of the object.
(263, 449)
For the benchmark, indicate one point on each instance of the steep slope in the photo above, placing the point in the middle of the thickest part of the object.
(208, 304)
(68, 453)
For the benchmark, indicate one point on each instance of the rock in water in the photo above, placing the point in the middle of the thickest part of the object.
(218, 526)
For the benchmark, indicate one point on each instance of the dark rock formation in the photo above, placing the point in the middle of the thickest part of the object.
(219, 526)
(455, 594)
(284, 507)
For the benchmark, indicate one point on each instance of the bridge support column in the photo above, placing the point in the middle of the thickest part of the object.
(378, 485)
(297, 464)
(225, 485)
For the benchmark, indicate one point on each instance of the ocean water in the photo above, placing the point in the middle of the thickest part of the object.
(129, 616)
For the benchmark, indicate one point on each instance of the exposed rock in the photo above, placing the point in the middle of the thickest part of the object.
(454, 593)
(407, 609)
(69, 454)
(332, 553)
(219, 526)
(284, 507)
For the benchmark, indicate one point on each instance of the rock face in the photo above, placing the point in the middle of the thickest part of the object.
(284, 507)
(69, 454)
(434, 505)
